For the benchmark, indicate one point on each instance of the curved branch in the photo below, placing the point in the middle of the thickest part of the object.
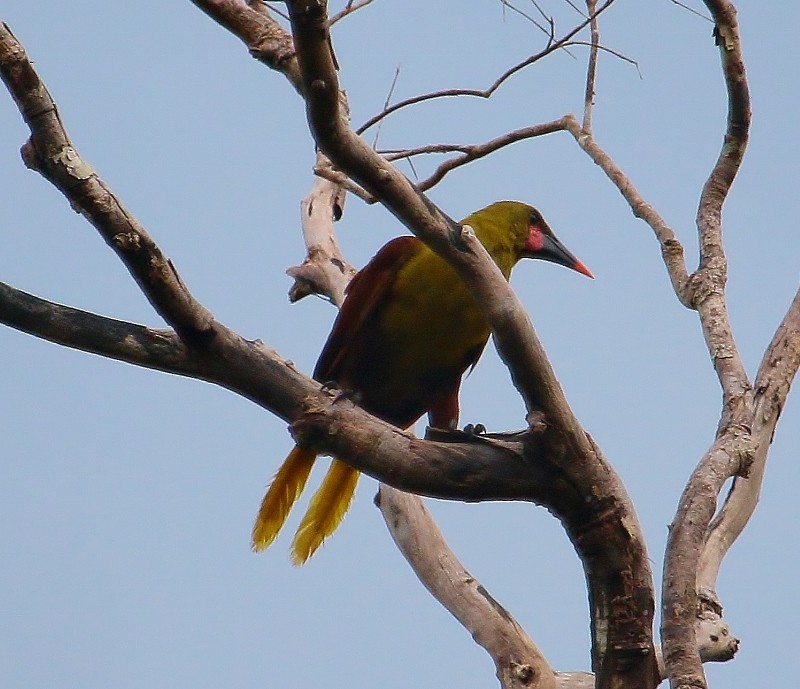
(621, 621)
(733, 451)
(709, 281)
(551, 47)
(266, 40)
(481, 468)
(519, 663)
(50, 152)
(324, 270)
(772, 384)
(472, 152)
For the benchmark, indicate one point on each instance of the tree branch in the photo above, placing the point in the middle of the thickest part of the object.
(472, 152)
(773, 381)
(733, 451)
(266, 40)
(472, 468)
(349, 8)
(486, 93)
(157, 349)
(622, 634)
(50, 152)
(519, 663)
(324, 271)
(591, 69)
(671, 248)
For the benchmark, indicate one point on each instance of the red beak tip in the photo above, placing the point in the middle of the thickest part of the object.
(581, 268)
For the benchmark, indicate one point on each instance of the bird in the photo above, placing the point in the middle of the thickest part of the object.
(407, 331)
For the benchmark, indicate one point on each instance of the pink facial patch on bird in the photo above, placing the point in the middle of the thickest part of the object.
(535, 239)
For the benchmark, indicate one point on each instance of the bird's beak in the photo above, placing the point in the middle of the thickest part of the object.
(551, 249)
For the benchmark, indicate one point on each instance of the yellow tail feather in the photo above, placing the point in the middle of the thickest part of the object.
(325, 513)
(282, 494)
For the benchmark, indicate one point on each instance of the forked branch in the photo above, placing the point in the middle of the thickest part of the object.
(622, 635)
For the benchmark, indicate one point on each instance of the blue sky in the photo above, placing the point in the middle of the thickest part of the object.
(127, 496)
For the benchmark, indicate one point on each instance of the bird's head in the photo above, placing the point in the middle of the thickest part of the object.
(511, 230)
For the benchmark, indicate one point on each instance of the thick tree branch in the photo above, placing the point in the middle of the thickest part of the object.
(622, 635)
(50, 152)
(733, 452)
(266, 40)
(772, 384)
(519, 664)
(473, 469)
(161, 350)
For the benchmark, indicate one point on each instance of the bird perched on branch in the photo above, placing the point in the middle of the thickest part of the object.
(407, 331)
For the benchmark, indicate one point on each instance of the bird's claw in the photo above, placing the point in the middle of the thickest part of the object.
(339, 395)
(475, 429)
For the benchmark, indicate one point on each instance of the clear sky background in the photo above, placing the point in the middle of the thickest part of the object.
(127, 496)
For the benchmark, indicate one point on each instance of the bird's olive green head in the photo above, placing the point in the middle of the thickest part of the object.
(511, 230)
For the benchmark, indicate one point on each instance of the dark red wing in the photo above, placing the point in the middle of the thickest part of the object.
(366, 291)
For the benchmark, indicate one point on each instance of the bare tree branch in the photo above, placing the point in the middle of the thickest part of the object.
(552, 46)
(622, 634)
(710, 279)
(733, 451)
(325, 271)
(591, 69)
(349, 8)
(157, 349)
(772, 384)
(327, 171)
(519, 663)
(266, 40)
(50, 152)
(671, 248)
(472, 152)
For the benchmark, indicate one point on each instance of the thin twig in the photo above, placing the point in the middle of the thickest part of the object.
(692, 10)
(548, 19)
(349, 8)
(330, 173)
(470, 153)
(386, 105)
(488, 92)
(671, 248)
